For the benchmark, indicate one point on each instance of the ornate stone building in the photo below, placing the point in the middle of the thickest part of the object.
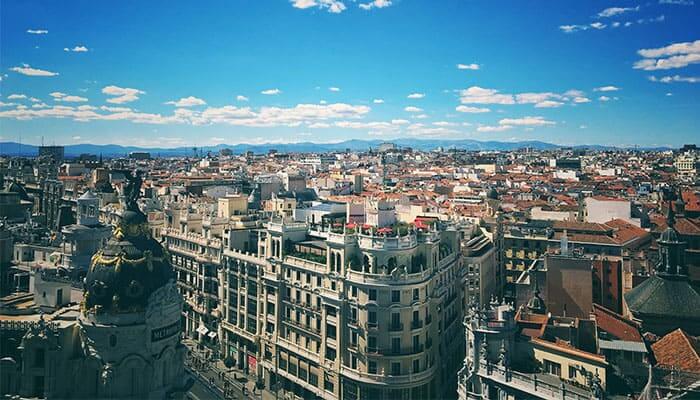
(124, 340)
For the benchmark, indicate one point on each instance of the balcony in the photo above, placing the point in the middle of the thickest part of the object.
(396, 327)
(387, 378)
(417, 324)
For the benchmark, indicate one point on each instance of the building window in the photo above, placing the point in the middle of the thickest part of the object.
(372, 367)
(373, 294)
(328, 385)
(572, 372)
(330, 331)
(395, 369)
(395, 345)
(112, 340)
(551, 367)
(353, 362)
(395, 296)
(313, 379)
(330, 353)
(416, 366)
(415, 294)
(372, 318)
(371, 344)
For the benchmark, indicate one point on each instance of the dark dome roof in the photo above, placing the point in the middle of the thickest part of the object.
(17, 188)
(104, 187)
(669, 297)
(492, 194)
(130, 267)
(669, 235)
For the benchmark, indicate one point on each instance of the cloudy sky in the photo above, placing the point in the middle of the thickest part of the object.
(201, 73)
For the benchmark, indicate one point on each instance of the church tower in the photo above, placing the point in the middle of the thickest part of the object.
(666, 301)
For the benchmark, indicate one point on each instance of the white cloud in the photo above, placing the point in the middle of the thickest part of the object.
(444, 123)
(115, 109)
(189, 101)
(34, 100)
(572, 28)
(526, 121)
(334, 89)
(271, 92)
(378, 101)
(413, 109)
(122, 95)
(548, 104)
(375, 4)
(607, 89)
(3, 104)
(37, 31)
(16, 96)
(604, 98)
(472, 110)
(472, 66)
(598, 25)
(25, 69)
(478, 95)
(333, 6)
(675, 55)
(677, 2)
(76, 49)
(230, 115)
(241, 98)
(487, 128)
(670, 79)
(400, 121)
(58, 96)
(319, 125)
(581, 100)
(613, 11)
(416, 95)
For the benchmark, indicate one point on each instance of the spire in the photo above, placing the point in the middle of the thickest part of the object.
(536, 304)
(671, 247)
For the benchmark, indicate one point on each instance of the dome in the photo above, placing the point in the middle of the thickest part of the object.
(17, 188)
(669, 235)
(492, 194)
(128, 269)
(104, 187)
(88, 195)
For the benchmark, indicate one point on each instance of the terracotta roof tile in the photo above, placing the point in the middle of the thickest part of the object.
(678, 349)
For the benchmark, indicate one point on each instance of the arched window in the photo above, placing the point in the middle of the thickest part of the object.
(391, 263)
(366, 263)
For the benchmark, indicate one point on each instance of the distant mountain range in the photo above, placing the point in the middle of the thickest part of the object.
(113, 150)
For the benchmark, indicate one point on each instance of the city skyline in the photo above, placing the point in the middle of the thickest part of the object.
(612, 73)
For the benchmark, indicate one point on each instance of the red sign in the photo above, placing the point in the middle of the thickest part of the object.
(252, 362)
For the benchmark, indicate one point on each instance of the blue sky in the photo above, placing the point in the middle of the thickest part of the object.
(201, 73)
